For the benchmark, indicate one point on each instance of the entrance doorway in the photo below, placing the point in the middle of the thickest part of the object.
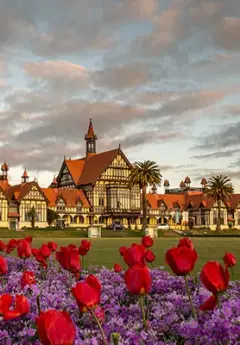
(13, 224)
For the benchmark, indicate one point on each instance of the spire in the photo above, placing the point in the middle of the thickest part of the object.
(54, 180)
(90, 134)
(25, 176)
(90, 138)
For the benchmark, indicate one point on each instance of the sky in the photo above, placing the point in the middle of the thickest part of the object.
(160, 77)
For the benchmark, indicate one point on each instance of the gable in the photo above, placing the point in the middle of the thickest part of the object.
(66, 173)
(34, 194)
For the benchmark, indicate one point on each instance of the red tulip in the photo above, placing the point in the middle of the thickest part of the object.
(2, 246)
(185, 242)
(210, 303)
(45, 250)
(69, 259)
(12, 244)
(147, 241)
(84, 247)
(28, 239)
(28, 278)
(138, 279)
(72, 246)
(62, 257)
(150, 256)
(181, 260)
(230, 259)
(74, 261)
(214, 277)
(39, 257)
(24, 249)
(117, 268)
(122, 250)
(87, 293)
(53, 246)
(135, 255)
(22, 305)
(3, 266)
(55, 328)
(5, 303)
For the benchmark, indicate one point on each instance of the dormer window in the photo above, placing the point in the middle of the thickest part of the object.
(61, 205)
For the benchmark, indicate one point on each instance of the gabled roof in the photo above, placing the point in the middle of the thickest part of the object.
(71, 196)
(19, 191)
(75, 168)
(95, 166)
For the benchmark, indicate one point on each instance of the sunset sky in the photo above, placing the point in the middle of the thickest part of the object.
(160, 77)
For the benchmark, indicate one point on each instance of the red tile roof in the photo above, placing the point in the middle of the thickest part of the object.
(19, 191)
(71, 196)
(75, 168)
(88, 170)
(96, 165)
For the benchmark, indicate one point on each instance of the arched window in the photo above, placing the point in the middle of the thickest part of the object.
(61, 205)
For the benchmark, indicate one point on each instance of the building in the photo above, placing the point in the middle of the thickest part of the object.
(99, 182)
(95, 189)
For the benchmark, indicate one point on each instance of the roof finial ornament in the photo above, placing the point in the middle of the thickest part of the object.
(119, 146)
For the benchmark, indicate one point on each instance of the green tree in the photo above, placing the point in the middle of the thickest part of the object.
(51, 216)
(32, 214)
(220, 189)
(145, 174)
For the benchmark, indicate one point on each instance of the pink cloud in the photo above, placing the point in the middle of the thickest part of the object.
(228, 33)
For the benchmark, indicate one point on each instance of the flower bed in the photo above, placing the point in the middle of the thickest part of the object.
(168, 314)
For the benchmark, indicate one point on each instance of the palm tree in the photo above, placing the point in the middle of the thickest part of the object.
(144, 174)
(220, 189)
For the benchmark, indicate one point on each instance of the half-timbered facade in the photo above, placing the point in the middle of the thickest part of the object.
(95, 189)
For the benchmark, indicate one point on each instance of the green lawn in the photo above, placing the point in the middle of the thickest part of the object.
(105, 251)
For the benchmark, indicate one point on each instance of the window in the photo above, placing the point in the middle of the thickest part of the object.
(100, 201)
(61, 205)
(238, 217)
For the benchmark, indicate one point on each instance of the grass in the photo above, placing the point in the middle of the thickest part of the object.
(105, 250)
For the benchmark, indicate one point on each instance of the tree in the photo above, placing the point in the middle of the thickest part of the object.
(144, 174)
(51, 216)
(220, 189)
(32, 214)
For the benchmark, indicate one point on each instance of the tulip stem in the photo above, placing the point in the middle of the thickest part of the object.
(2, 280)
(99, 326)
(141, 302)
(38, 304)
(70, 279)
(218, 301)
(190, 299)
(232, 273)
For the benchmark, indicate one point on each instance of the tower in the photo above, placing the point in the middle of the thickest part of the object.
(187, 182)
(4, 169)
(25, 176)
(166, 185)
(91, 139)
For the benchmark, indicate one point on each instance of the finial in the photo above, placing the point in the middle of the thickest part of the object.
(119, 146)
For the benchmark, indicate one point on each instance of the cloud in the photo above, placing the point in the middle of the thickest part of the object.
(149, 137)
(220, 139)
(195, 101)
(227, 35)
(56, 71)
(122, 77)
(215, 155)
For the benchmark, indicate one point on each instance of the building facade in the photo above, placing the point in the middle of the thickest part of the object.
(95, 189)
